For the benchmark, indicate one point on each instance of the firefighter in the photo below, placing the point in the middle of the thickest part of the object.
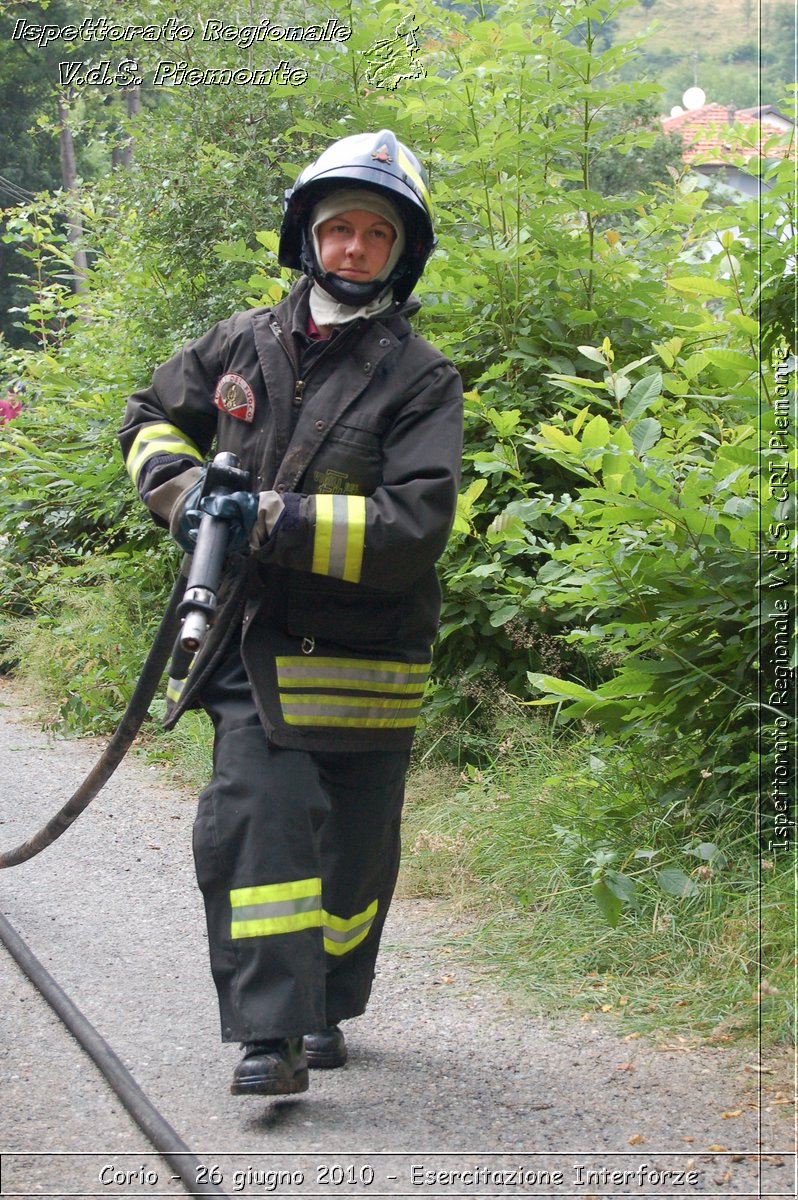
(350, 424)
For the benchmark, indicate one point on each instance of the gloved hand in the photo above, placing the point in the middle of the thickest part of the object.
(185, 516)
(270, 511)
(239, 509)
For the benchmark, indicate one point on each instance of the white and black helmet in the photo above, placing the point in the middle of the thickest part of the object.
(374, 161)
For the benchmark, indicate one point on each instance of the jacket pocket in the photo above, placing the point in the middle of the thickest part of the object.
(348, 463)
(347, 615)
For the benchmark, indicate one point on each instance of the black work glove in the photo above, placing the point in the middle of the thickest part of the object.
(240, 510)
(185, 516)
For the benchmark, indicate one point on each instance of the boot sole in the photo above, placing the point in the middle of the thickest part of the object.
(266, 1086)
(325, 1062)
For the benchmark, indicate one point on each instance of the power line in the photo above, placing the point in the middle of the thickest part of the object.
(13, 189)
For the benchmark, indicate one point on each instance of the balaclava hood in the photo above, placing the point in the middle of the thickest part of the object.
(324, 309)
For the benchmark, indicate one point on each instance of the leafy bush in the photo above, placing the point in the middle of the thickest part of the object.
(661, 576)
(83, 648)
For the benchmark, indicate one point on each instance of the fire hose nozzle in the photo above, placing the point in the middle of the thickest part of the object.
(192, 635)
(198, 607)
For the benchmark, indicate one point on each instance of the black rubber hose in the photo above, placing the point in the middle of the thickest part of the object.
(121, 739)
(157, 1129)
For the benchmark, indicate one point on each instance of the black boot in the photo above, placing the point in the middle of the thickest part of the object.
(326, 1048)
(274, 1068)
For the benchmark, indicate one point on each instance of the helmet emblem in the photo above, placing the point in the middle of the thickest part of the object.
(382, 154)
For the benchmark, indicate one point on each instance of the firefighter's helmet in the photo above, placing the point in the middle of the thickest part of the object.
(378, 162)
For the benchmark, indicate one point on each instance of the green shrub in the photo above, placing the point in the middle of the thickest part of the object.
(81, 652)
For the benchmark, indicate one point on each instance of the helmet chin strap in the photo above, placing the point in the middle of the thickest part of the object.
(350, 291)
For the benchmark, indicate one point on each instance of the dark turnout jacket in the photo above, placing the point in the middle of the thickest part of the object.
(361, 436)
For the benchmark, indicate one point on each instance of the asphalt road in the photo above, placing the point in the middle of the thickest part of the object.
(449, 1090)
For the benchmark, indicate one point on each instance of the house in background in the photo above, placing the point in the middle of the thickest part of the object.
(713, 145)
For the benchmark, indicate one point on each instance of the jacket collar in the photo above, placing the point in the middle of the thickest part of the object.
(292, 312)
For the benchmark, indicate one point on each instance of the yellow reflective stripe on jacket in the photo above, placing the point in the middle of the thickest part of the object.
(275, 908)
(354, 692)
(339, 536)
(342, 934)
(357, 712)
(158, 438)
(355, 673)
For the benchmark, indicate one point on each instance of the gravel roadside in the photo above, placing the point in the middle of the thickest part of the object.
(449, 1090)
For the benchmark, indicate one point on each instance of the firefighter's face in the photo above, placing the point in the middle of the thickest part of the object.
(355, 244)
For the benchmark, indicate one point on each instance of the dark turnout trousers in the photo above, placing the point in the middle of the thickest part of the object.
(297, 855)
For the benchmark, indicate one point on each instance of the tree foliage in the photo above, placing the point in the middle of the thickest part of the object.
(604, 312)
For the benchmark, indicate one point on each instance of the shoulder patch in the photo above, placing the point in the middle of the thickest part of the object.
(233, 395)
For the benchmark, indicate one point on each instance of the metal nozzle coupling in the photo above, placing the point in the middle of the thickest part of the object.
(193, 631)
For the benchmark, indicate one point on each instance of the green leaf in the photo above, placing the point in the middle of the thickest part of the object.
(733, 360)
(693, 365)
(619, 385)
(646, 434)
(609, 904)
(504, 614)
(676, 883)
(268, 238)
(642, 394)
(632, 366)
(746, 323)
(621, 439)
(504, 423)
(579, 420)
(596, 433)
(506, 527)
(471, 494)
(485, 570)
(699, 285)
(561, 687)
(621, 886)
(615, 472)
(571, 383)
(593, 354)
(556, 438)
(709, 852)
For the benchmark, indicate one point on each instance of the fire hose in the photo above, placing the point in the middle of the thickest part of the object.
(183, 628)
(160, 1133)
(189, 614)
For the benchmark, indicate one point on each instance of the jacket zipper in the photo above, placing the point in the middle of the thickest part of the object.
(300, 384)
(308, 644)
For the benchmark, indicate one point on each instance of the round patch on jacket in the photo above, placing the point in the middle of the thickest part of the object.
(233, 395)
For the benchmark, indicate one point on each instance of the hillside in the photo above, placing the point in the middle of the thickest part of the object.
(729, 47)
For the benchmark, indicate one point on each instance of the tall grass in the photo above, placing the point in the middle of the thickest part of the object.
(519, 843)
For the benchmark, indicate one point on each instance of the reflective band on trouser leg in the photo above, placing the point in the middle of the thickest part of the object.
(351, 692)
(158, 438)
(339, 537)
(342, 934)
(275, 908)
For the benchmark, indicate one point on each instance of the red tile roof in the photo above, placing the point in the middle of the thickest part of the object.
(710, 136)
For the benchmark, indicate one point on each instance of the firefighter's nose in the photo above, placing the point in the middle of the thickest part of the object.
(356, 246)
